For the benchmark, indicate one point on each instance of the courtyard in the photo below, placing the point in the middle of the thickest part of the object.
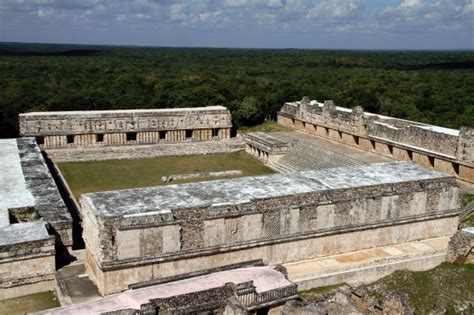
(84, 177)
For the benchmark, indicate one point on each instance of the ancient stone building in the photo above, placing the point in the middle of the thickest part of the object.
(125, 127)
(444, 149)
(136, 235)
(34, 220)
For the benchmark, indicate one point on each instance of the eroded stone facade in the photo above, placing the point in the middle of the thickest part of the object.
(126, 127)
(277, 218)
(443, 149)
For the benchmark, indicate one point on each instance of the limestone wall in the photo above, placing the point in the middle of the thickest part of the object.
(26, 268)
(115, 127)
(128, 249)
(444, 149)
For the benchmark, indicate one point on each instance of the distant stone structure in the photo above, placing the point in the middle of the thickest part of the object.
(447, 150)
(265, 147)
(125, 127)
(34, 220)
(137, 235)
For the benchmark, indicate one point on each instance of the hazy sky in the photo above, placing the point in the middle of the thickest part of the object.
(359, 24)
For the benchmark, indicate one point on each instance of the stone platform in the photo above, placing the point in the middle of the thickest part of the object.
(365, 266)
(129, 152)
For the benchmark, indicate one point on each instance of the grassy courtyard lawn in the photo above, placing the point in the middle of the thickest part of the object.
(29, 303)
(85, 177)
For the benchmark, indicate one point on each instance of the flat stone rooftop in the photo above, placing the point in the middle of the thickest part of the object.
(264, 279)
(127, 111)
(14, 192)
(25, 181)
(23, 232)
(161, 200)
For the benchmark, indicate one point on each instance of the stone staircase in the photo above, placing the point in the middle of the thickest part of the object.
(304, 156)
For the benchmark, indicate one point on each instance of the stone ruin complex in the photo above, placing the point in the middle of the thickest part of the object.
(137, 235)
(170, 249)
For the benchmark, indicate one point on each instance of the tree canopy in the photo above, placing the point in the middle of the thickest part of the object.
(431, 87)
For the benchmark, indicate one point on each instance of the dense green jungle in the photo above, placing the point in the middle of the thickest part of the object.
(426, 86)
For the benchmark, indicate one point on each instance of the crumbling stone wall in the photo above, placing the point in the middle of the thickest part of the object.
(461, 247)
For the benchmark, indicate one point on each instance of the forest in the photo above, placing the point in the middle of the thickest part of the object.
(426, 86)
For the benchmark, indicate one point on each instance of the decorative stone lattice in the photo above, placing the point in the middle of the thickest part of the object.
(151, 241)
(232, 230)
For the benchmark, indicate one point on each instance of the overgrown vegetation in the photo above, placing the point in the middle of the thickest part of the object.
(446, 289)
(310, 294)
(95, 176)
(27, 214)
(466, 199)
(433, 87)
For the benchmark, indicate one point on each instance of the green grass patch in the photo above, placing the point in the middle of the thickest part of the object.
(314, 292)
(444, 289)
(96, 176)
(266, 126)
(29, 303)
(466, 199)
(469, 220)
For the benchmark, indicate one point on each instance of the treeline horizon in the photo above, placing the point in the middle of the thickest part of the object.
(435, 87)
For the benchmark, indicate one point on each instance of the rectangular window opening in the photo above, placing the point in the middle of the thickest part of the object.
(131, 136)
(40, 140)
(215, 133)
(372, 142)
(327, 131)
(162, 134)
(69, 139)
(99, 138)
(340, 134)
(356, 139)
(390, 148)
(189, 133)
(431, 159)
(456, 168)
(410, 155)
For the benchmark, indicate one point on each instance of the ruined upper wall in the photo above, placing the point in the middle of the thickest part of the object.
(113, 121)
(443, 141)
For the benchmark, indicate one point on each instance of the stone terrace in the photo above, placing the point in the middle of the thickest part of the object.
(263, 279)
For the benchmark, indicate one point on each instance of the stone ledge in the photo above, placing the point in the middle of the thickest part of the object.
(368, 265)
